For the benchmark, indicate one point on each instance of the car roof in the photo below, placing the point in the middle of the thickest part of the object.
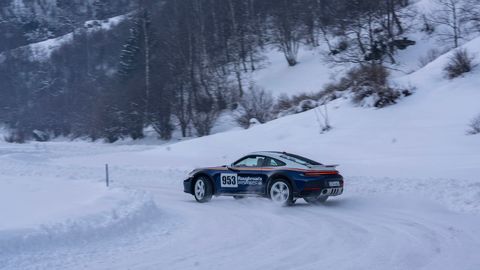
(268, 153)
(280, 156)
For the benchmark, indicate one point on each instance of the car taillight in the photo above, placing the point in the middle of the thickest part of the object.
(320, 173)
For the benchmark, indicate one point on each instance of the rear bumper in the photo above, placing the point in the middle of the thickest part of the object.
(187, 186)
(324, 192)
(325, 187)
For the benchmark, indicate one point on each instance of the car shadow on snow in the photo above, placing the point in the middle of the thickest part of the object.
(329, 203)
(300, 203)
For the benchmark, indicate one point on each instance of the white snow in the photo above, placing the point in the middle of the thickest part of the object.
(412, 196)
(41, 51)
(43, 206)
(309, 76)
(106, 24)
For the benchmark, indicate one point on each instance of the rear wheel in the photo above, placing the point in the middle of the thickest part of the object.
(202, 189)
(316, 199)
(281, 192)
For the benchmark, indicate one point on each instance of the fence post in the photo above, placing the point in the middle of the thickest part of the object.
(107, 180)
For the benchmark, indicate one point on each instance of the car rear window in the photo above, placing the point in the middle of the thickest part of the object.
(299, 159)
(271, 162)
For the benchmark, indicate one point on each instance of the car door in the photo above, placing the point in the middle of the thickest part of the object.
(247, 176)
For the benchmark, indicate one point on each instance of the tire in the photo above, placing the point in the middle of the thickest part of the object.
(202, 189)
(280, 191)
(238, 197)
(316, 200)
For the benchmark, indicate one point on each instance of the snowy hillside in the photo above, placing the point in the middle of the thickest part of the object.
(42, 51)
(423, 133)
(412, 197)
(411, 171)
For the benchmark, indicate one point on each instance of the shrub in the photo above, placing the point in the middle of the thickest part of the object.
(369, 86)
(475, 126)
(459, 63)
(307, 104)
(296, 104)
(283, 103)
(15, 136)
(256, 103)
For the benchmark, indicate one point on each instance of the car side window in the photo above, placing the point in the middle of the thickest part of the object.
(251, 161)
(271, 162)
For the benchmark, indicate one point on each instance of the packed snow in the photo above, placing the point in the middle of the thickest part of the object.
(43, 206)
(380, 222)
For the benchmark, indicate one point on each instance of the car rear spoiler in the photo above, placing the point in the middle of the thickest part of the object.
(332, 166)
(323, 167)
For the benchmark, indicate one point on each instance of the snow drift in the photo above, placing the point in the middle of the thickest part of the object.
(38, 214)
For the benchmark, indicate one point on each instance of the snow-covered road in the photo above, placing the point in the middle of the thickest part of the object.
(352, 232)
(378, 223)
(372, 226)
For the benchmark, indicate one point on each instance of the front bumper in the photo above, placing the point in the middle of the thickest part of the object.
(187, 186)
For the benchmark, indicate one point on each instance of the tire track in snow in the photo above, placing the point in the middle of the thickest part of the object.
(362, 229)
(353, 232)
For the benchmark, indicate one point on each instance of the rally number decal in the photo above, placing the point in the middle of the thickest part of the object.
(228, 180)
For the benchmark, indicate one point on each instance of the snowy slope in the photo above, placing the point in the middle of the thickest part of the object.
(422, 136)
(41, 51)
(309, 76)
(412, 198)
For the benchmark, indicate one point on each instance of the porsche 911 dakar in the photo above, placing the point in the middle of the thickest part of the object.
(280, 176)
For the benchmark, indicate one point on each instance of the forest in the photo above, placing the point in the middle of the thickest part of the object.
(176, 65)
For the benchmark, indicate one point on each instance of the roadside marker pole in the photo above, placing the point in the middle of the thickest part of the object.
(107, 176)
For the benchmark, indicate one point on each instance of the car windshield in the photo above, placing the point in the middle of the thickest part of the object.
(299, 159)
(251, 161)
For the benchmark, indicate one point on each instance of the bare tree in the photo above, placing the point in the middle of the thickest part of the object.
(287, 30)
(255, 104)
(471, 14)
(370, 30)
(448, 17)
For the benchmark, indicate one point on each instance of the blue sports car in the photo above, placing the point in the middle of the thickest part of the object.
(280, 176)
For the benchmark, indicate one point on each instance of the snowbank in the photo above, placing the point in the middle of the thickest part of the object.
(36, 213)
(453, 194)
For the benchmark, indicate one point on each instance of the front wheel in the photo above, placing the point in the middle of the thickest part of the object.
(281, 192)
(316, 199)
(202, 190)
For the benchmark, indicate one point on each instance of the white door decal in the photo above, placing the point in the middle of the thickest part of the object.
(229, 180)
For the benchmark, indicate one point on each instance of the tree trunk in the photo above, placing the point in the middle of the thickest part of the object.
(146, 38)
